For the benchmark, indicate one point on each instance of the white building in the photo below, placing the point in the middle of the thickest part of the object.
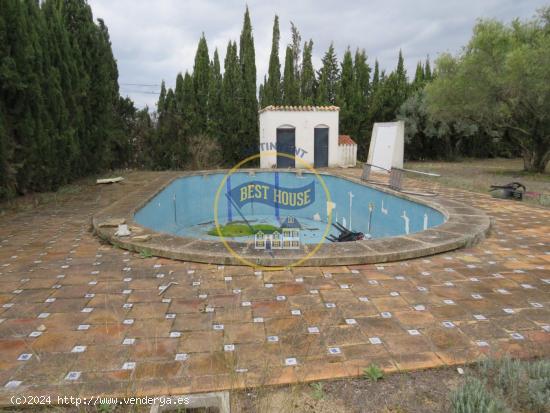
(306, 132)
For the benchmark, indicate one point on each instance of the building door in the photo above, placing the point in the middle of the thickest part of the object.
(286, 143)
(320, 151)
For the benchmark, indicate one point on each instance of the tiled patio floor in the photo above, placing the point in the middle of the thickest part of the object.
(78, 316)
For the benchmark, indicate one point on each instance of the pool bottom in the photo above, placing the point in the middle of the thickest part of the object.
(311, 231)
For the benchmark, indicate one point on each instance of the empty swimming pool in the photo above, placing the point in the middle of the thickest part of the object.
(267, 203)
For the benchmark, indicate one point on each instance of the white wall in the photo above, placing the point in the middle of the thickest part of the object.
(348, 155)
(305, 122)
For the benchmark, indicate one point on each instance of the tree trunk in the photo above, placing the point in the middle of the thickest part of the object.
(536, 161)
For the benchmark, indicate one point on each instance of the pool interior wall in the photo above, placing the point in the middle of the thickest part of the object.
(186, 207)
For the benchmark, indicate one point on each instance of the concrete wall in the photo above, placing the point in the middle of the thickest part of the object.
(304, 122)
(348, 155)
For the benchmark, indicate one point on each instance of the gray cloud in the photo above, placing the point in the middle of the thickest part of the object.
(153, 41)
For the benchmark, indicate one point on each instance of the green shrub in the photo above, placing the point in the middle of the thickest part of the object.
(473, 397)
(523, 385)
(318, 391)
(373, 372)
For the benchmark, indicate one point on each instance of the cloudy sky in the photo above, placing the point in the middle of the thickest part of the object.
(154, 40)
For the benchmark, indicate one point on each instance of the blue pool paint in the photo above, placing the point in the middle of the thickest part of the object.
(186, 206)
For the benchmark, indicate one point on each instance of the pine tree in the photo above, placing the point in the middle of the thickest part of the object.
(290, 84)
(249, 136)
(272, 87)
(201, 77)
(328, 77)
(307, 80)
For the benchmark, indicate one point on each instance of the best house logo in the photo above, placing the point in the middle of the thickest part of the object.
(245, 218)
(270, 194)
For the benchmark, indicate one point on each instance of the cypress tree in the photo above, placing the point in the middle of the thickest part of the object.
(418, 81)
(161, 103)
(184, 104)
(272, 89)
(329, 76)
(360, 130)
(249, 136)
(402, 86)
(7, 177)
(23, 95)
(307, 80)
(346, 94)
(231, 104)
(60, 84)
(7, 182)
(61, 115)
(105, 97)
(261, 94)
(201, 77)
(215, 98)
(375, 76)
(290, 84)
(187, 103)
(178, 92)
(428, 74)
(296, 52)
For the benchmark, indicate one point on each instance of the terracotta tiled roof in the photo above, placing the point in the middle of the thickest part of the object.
(345, 140)
(300, 108)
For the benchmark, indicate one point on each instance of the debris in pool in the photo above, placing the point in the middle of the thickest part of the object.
(345, 234)
(109, 180)
(122, 231)
(163, 288)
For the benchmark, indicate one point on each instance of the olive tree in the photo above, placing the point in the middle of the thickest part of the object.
(501, 80)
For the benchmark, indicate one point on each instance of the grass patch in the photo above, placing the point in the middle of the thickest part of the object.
(237, 229)
(478, 175)
(146, 254)
(318, 392)
(373, 373)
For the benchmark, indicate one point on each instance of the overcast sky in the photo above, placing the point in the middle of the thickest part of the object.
(154, 40)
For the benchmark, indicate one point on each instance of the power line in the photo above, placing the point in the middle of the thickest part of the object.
(141, 91)
(141, 84)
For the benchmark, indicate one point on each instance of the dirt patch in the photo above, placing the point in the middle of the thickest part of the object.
(422, 392)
